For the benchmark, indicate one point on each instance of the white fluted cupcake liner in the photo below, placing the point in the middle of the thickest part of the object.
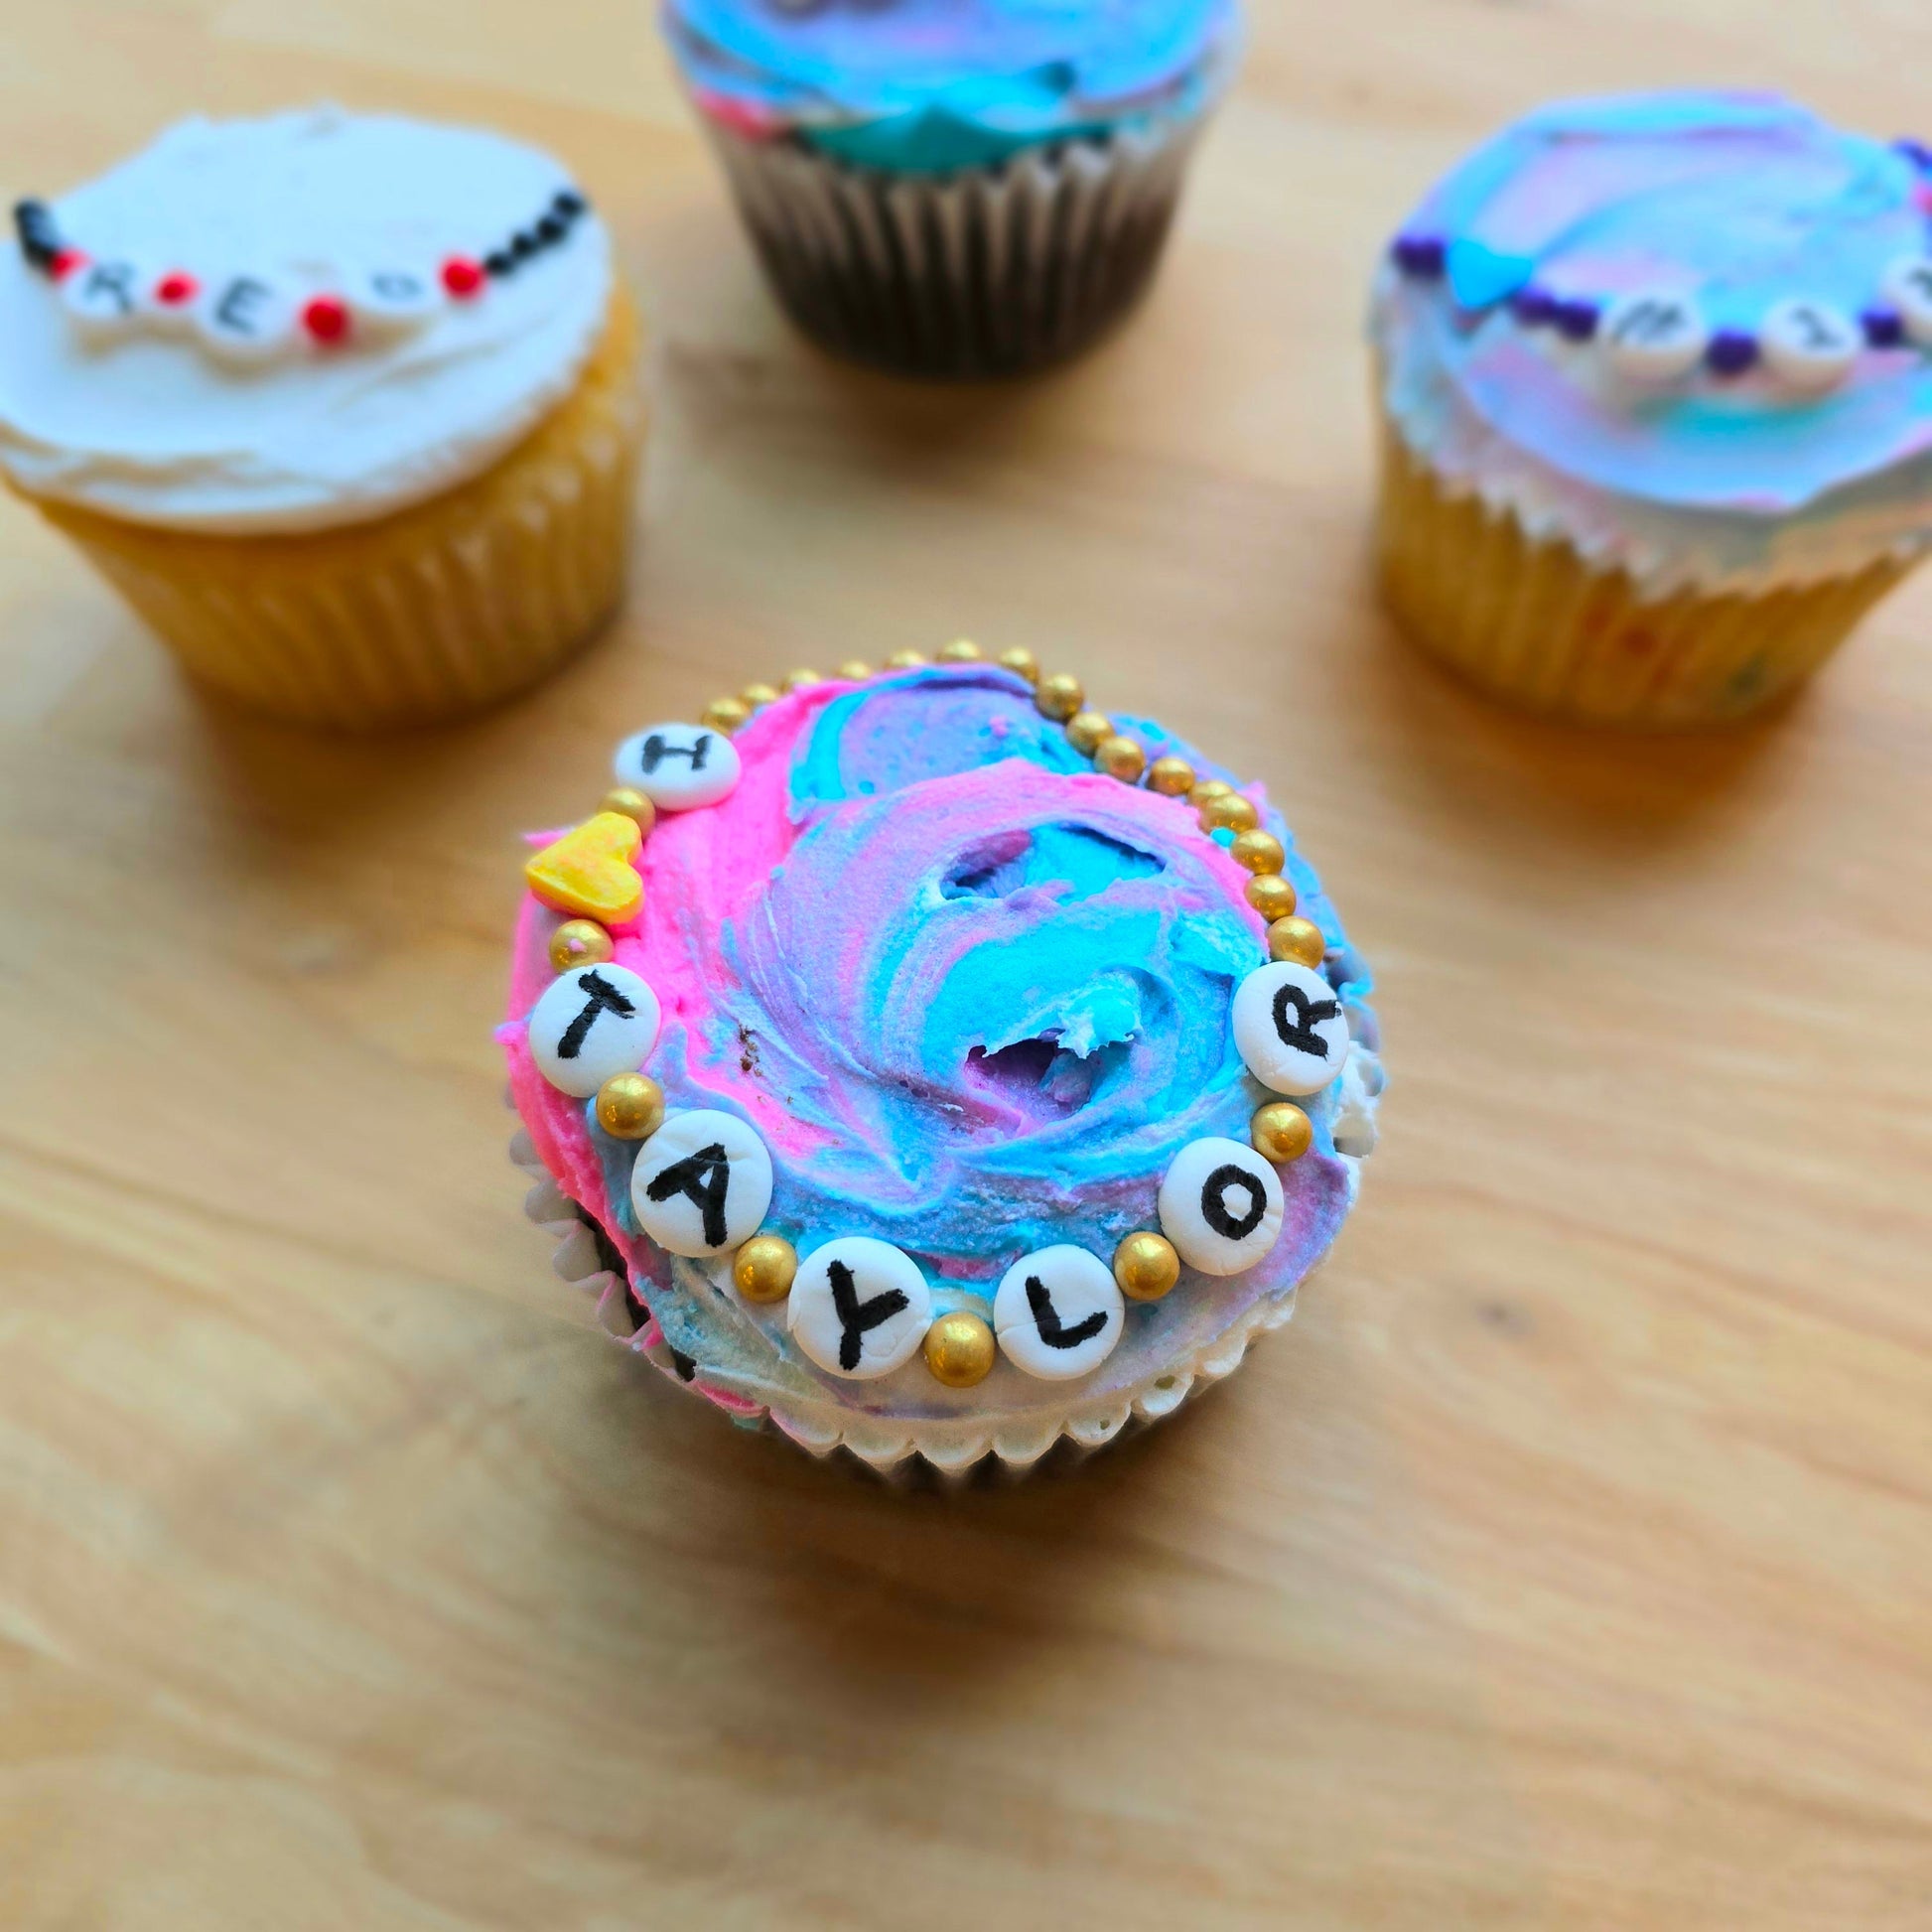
(988, 272)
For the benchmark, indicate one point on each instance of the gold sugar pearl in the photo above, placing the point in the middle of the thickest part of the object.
(1146, 1267)
(905, 660)
(960, 1349)
(855, 671)
(1060, 696)
(631, 803)
(1270, 895)
(802, 680)
(1085, 729)
(631, 1106)
(726, 714)
(962, 651)
(579, 942)
(1258, 851)
(1170, 776)
(1228, 811)
(1280, 1132)
(1297, 939)
(764, 1269)
(1206, 788)
(756, 695)
(1119, 758)
(1022, 660)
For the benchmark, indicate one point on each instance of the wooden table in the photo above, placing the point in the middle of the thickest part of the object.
(1568, 1563)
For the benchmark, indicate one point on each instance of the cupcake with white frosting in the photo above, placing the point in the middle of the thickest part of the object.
(344, 405)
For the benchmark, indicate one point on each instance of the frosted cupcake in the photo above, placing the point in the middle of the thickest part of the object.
(956, 186)
(936, 1066)
(344, 405)
(1657, 409)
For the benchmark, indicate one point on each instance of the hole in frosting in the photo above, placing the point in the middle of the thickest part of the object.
(991, 869)
(1040, 1076)
(1074, 857)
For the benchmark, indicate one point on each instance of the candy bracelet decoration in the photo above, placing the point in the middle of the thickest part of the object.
(858, 1308)
(245, 317)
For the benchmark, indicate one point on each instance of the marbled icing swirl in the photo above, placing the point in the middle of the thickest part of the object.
(973, 994)
(1737, 200)
(926, 86)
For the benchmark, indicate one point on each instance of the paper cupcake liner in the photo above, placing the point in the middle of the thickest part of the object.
(1534, 622)
(950, 1449)
(424, 614)
(984, 273)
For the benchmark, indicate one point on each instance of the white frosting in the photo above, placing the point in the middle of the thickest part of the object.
(158, 425)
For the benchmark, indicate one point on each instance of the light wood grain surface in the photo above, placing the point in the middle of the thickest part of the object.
(1568, 1562)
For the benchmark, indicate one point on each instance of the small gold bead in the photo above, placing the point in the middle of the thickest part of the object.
(1022, 660)
(1258, 851)
(1297, 939)
(1145, 1266)
(756, 695)
(960, 1349)
(1280, 1132)
(905, 660)
(1199, 794)
(579, 942)
(1229, 812)
(631, 1106)
(802, 680)
(1119, 758)
(633, 804)
(764, 1269)
(1085, 729)
(726, 714)
(1270, 895)
(1060, 696)
(962, 651)
(1170, 776)
(855, 671)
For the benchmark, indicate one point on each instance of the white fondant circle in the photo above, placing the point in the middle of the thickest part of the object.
(1058, 1314)
(581, 1032)
(678, 767)
(838, 1310)
(1289, 1028)
(1220, 1206)
(702, 1183)
(1808, 346)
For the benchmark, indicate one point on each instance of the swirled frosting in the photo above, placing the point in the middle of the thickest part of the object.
(926, 86)
(154, 430)
(1735, 200)
(974, 997)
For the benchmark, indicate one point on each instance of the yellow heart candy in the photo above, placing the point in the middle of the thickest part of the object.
(588, 872)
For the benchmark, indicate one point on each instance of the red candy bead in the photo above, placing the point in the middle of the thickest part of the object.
(461, 276)
(325, 317)
(175, 288)
(65, 261)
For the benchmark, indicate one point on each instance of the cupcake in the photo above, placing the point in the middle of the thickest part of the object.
(933, 1067)
(1655, 400)
(955, 187)
(344, 405)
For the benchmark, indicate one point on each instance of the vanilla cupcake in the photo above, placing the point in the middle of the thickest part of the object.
(344, 405)
(1656, 403)
(936, 1067)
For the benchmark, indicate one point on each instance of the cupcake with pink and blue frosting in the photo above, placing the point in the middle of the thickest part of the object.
(930, 1064)
(1655, 377)
(955, 187)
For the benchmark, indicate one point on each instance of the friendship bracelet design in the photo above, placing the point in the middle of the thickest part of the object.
(860, 1308)
(247, 318)
(1651, 337)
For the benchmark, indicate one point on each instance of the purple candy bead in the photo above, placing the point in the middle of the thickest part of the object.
(1534, 308)
(1421, 256)
(1883, 328)
(1732, 351)
(1916, 152)
(1575, 318)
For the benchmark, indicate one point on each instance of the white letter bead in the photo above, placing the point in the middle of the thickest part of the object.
(702, 1183)
(245, 318)
(392, 301)
(1908, 288)
(1808, 346)
(858, 1308)
(1220, 1206)
(591, 1024)
(1058, 1314)
(678, 767)
(1651, 337)
(104, 300)
(1289, 1028)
